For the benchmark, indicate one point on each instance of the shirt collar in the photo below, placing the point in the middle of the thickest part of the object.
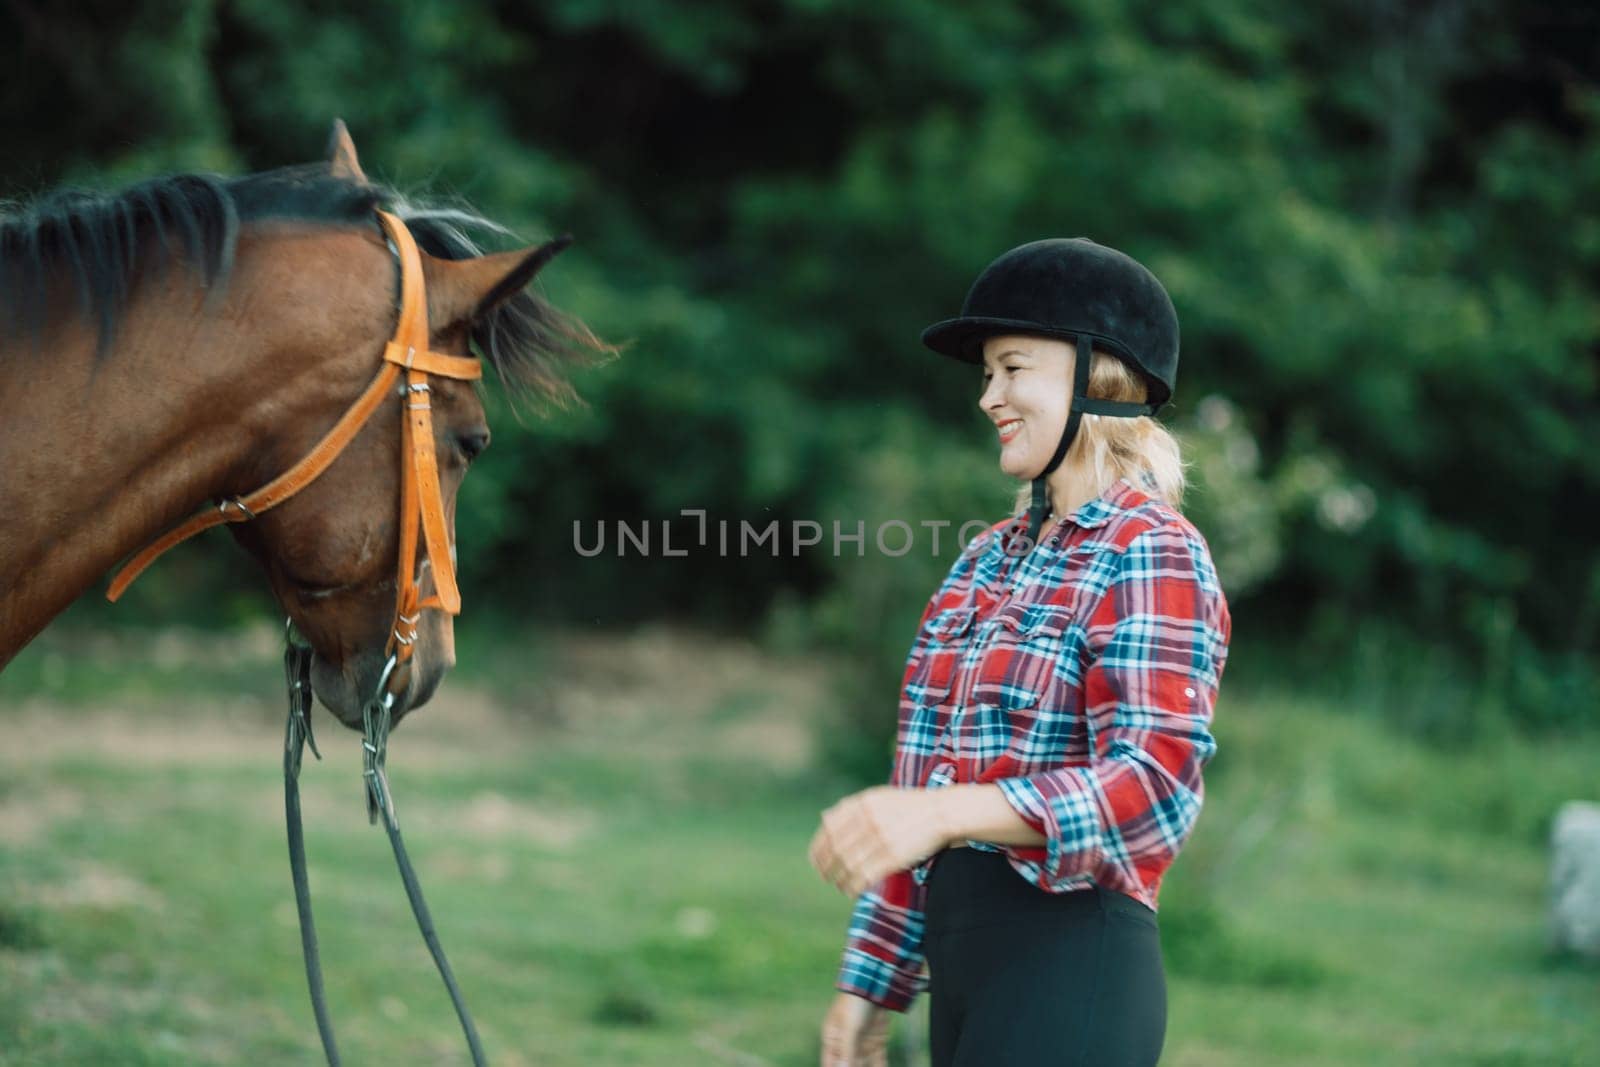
(1119, 496)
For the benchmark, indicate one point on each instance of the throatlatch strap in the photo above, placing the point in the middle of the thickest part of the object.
(274, 492)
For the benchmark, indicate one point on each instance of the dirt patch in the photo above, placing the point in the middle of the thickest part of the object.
(683, 690)
(209, 735)
(675, 689)
(490, 814)
(26, 817)
(95, 885)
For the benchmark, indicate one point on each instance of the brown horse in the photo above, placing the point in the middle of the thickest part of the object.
(189, 339)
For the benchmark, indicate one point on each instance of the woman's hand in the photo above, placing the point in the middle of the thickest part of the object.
(855, 1033)
(876, 832)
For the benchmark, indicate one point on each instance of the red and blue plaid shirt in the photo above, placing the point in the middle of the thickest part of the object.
(1080, 679)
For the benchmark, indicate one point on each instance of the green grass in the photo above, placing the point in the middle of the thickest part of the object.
(621, 879)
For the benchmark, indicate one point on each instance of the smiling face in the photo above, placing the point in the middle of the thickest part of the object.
(1027, 391)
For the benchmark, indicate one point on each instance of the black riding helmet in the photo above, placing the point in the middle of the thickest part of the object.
(1071, 289)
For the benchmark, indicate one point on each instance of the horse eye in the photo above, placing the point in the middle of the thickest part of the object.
(472, 444)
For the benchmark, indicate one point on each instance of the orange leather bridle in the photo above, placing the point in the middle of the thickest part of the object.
(407, 360)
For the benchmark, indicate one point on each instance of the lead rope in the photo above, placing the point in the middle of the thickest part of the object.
(375, 721)
(297, 667)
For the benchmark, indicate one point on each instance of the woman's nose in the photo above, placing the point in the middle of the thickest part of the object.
(992, 397)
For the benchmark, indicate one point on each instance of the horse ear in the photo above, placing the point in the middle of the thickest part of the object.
(342, 154)
(466, 290)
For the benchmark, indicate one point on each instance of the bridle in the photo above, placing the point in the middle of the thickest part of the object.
(407, 364)
(421, 502)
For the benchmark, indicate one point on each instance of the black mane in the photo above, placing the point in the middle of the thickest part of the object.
(98, 243)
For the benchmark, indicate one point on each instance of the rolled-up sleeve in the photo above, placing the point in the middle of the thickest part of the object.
(1158, 640)
(883, 959)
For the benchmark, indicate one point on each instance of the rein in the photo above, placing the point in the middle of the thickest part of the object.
(375, 718)
(407, 363)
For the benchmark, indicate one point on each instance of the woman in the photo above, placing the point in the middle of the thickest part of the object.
(1055, 714)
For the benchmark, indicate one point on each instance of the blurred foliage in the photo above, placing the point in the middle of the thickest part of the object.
(1375, 219)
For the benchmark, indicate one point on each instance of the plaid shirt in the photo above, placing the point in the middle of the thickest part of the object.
(1080, 679)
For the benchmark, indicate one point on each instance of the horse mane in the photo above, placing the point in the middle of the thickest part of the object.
(99, 243)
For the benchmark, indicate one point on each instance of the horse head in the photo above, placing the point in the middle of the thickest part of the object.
(335, 553)
(363, 342)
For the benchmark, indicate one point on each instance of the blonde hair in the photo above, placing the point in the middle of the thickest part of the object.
(1108, 447)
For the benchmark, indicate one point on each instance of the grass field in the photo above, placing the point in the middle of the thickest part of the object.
(612, 833)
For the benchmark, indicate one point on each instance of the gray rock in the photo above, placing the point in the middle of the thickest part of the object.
(1575, 878)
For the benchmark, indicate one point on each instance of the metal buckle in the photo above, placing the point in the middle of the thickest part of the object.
(408, 635)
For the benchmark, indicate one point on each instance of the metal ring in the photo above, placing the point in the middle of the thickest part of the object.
(222, 506)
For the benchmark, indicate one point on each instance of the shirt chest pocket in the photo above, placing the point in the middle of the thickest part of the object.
(1022, 657)
(941, 644)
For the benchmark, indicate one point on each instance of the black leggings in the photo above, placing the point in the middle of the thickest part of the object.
(1021, 976)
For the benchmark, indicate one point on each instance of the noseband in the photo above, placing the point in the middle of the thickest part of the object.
(407, 364)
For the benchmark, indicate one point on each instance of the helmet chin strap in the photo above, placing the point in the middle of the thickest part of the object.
(1082, 405)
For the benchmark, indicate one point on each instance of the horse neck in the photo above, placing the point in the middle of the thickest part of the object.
(99, 453)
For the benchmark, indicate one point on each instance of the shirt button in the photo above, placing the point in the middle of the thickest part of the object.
(1189, 692)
